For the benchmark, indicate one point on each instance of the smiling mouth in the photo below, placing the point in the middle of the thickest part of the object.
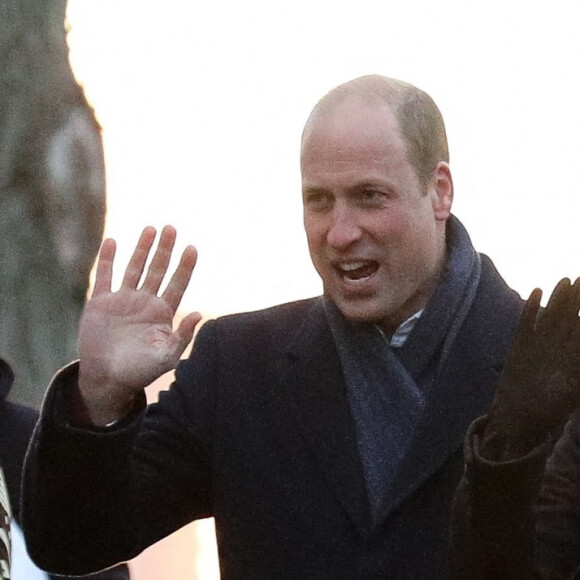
(357, 272)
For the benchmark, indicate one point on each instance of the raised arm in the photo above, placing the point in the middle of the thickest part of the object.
(118, 488)
(494, 526)
(540, 383)
(126, 338)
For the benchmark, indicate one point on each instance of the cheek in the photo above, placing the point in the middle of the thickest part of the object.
(404, 237)
(389, 229)
(315, 231)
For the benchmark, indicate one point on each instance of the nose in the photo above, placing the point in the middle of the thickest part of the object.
(344, 228)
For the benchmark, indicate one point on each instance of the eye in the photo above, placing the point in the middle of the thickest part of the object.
(317, 200)
(372, 197)
(370, 194)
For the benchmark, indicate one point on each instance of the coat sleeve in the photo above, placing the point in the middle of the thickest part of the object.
(93, 498)
(558, 509)
(493, 514)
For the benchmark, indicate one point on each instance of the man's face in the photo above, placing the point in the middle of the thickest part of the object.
(376, 237)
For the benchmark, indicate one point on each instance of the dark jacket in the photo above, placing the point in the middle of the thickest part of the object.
(519, 519)
(16, 425)
(257, 432)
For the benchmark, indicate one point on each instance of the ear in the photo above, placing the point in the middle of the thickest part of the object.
(442, 193)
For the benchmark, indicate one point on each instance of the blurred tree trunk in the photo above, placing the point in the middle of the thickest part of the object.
(52, 194)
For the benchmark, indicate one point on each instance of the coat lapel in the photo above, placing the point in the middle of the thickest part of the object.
(457, 399)
(464, 388)
(316, 391)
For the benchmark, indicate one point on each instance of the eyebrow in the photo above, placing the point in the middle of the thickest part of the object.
(360, 186)
(370, 184)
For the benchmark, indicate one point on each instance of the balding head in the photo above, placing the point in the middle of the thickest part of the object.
(420, 121)
(377, 192)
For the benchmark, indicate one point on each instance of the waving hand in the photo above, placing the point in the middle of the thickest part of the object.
(126, 338)
(540, 383)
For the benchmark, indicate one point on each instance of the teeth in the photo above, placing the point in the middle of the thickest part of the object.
(352, 266)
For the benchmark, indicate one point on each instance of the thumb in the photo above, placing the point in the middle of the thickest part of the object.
(184, 332)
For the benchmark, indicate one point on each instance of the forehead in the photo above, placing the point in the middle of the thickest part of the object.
(354, 133)
(354, 123)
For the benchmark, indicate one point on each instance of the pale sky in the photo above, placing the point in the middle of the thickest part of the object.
(203, 103)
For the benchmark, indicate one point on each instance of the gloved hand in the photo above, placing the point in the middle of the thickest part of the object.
(540, 383)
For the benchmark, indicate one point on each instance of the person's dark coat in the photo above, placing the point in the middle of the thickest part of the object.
(519, 519)
(16, 426)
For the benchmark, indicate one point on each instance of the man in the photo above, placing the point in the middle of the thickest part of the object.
(323, 435)
(517, 510)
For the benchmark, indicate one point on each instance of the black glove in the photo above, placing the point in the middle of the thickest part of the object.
(540, 383)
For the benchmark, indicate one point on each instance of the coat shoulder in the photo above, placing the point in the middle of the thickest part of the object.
(271, 327)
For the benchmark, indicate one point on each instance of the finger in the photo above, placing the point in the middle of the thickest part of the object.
(160, 262)
(576, 317)
(559, 293)
(137, 262)
(570, 306)
(576, 296)
(104, 272)
(180, 279)
(529, 314)
(557, 306)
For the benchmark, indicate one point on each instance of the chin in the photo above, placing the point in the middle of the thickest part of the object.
(360, 312)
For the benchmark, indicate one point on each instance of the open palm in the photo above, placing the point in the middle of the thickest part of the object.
(126, 338)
